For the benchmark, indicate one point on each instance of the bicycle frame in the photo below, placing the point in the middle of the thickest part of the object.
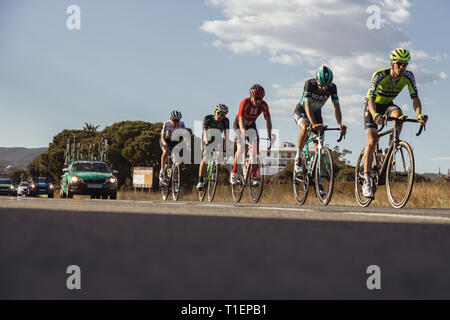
(211, 161)
(393, 144)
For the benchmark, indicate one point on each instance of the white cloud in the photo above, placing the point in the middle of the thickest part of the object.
(315, 32)
(397, 10)
(443, 75)
(312, 32)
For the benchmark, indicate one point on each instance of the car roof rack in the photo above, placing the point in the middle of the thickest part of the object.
(76, 151)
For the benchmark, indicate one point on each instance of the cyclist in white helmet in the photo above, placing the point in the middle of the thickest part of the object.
(166, 143)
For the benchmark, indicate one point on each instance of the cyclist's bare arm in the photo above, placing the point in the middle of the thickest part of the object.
(312, 119)
(163, 140)
(269, 127)
(417, 105)
(373, 110)
(205, 137)
(309, 113)
(241, 124)
(338, 114)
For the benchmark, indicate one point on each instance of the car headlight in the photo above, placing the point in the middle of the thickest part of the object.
(74, 179)
(112, 180)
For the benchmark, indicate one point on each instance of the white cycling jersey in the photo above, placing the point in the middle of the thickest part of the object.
(168, 128)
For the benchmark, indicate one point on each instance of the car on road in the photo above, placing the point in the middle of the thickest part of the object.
(94, 178)
(41, 185)
(23, 189)
(6, 186)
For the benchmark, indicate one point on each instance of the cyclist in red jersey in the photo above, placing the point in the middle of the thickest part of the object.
(249, 110)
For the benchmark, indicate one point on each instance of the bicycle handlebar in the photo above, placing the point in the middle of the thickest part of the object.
(325, 128)
(404, 119)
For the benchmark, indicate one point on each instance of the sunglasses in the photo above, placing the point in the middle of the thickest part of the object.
(401, 64)
(221, 114)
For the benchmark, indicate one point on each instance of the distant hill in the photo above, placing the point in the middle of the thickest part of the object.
(18, 158)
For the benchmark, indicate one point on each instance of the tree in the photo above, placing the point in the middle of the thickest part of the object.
(90, 127)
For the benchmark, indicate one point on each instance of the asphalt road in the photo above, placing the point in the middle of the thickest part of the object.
(188, 250)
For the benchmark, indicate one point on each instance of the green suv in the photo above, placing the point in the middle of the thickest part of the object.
(94, 178)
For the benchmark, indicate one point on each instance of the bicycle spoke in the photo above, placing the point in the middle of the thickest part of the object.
(400, 178)
(359, 180)
(324, 177)
(300, 184)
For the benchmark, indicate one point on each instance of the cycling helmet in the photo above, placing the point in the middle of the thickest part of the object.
(175, 115)
(257, 91)
(400, 54)
(324, 76)
(222, 108)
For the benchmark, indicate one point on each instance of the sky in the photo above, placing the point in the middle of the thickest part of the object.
(139, 59)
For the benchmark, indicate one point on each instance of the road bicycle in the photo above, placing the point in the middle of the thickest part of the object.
(394, 166)
(212, 175)
(252, 175)
(315, 168)
(172, 180)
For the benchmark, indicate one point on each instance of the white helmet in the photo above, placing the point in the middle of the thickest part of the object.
(222, 108)
(176, 115)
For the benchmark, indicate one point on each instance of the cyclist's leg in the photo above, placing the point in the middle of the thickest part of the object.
(372, 140)
(319, 120)
(254, 141)
(302, 123)
(239, 144)
(394, 111)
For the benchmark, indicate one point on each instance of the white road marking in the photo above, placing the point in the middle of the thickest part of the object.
(402, 216)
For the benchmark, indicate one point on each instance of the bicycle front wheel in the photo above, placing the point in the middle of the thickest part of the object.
(176, 182)
(324, 177)
(212, 181)
(165, 190)
(400, 175)
(359, 180)
(256, 184)
(238, 189)
(300, 182)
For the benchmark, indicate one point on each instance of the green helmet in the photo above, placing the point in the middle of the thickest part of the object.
(400, 54)
(324, 76)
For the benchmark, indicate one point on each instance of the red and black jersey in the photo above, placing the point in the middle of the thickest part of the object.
(250, 113)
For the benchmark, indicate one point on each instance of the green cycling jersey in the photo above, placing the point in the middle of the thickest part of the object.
(384, 89)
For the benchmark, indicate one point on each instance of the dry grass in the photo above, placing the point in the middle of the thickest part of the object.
(424, 195)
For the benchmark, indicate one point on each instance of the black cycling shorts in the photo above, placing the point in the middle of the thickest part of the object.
(383, 109)
(300, 115)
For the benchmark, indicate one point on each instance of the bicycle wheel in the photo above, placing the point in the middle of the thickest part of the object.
(165, 189)
(256, 184)
(212, 181)
(359, 180)
(324, 175)
(202, 193)
(238, 189)
(176, 182)
(400, 175)
(300, 182)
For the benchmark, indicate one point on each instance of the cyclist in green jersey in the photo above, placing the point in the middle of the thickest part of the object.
(217, 121)
(385, 86)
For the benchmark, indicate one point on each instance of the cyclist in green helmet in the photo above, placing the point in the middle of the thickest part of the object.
(385, 86)
(308, 112)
